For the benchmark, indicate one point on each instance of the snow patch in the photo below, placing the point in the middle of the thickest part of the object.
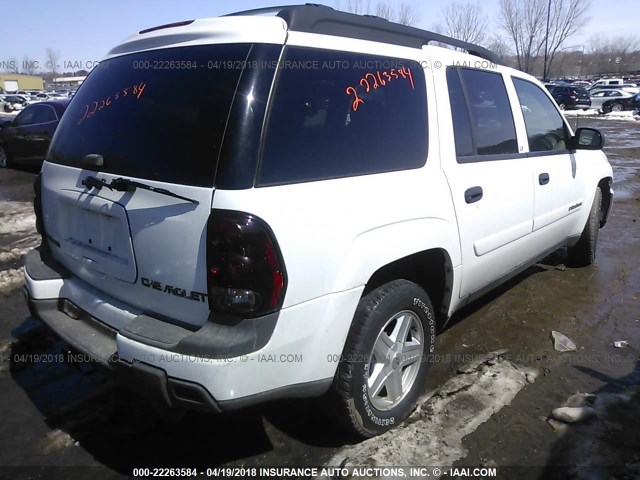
(17, 217)
(17, 253)
(433, 434)
(624, 115)
(10, 279)
(592, 112)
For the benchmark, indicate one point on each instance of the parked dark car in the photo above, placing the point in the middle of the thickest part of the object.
(13, 102)
(567, 97)
(26, 139)
(619, 104)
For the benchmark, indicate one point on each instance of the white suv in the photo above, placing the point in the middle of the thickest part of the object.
(304, 213)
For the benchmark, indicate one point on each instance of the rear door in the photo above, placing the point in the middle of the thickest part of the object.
(159, 118)
(17, 137)
(39, 134)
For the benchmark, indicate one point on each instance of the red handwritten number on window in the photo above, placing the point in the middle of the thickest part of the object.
(90, 109)
(376, 80)
(357, 100)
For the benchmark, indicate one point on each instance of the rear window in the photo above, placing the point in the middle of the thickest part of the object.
(482, 117)
(158, 115)
(337, 114)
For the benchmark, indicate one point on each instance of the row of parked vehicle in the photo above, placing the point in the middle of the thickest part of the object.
(14, 102)
(605, 95)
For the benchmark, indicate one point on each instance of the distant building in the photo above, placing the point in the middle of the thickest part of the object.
(11, 82)
(73, 82)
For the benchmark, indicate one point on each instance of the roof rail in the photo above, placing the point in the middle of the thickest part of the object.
(315, 18)
(261, 11)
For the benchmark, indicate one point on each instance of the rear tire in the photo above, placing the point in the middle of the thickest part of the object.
(583, 253)
(562, 106)
(385, 359)
(617, 107)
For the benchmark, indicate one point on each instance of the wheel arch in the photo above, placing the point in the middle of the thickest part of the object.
(605, 185)
(431, 269)
(424, 251)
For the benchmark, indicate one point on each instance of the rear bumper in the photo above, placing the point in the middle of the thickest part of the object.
(219, 367)
(96, 343)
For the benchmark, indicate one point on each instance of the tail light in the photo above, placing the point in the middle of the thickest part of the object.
(246, 274)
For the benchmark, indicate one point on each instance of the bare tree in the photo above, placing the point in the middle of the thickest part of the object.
(613, 54)
(524, 23)
(52, 60)
(566, 17)
(466, 22)
(29, 65)
(498, 45)
(537, 27)
(13, 65)
(359, 7)
(405, 13)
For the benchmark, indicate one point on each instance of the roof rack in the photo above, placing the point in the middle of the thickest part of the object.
(315, 18)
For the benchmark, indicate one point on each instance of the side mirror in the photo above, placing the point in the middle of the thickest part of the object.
(587, 139)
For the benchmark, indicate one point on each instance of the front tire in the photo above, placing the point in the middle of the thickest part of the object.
(583, 253)
(385, 359)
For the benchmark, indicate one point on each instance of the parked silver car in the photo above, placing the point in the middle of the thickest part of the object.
(601, 96)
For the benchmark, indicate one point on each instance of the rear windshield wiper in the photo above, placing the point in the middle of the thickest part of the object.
(126, 185)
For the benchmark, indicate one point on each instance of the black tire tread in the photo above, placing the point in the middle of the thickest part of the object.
(583, 253)
(342, 408)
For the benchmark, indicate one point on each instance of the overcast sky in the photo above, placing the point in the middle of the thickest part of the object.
(84, 30)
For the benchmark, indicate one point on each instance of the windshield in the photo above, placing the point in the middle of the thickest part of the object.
(158, 115)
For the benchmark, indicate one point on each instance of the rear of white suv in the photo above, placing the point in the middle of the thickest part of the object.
(204, 255)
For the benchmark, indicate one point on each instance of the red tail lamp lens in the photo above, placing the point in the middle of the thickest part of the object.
(246, 274)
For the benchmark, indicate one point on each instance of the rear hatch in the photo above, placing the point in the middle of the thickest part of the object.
(156, 117)
(583, 96)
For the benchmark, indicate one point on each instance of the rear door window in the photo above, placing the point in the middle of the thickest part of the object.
(26, 117)
(45, 114)
(460, 115)
(337, 114)
(482, 115)
(157, 115)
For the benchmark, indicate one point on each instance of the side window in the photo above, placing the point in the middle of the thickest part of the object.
(349, 114)
(44, 114)
(460, 115)
(492, 122)
(614, 94)
(599, 94)
(546, 129)
(26, 117)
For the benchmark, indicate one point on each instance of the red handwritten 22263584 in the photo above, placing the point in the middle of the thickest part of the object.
(376, 80)
(90, 109)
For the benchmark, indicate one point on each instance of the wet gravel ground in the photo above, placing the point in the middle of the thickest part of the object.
(58, 414)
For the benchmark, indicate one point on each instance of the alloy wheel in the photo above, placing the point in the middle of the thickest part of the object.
(395, 360)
